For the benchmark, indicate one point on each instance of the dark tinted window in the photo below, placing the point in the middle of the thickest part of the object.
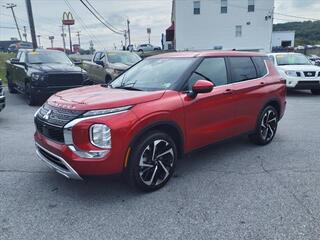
(260, 65)
(212, 69)
(196, 7)
(272, 59)
(242, 69)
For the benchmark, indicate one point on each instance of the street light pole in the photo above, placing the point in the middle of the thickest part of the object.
(31, 24)
(63, 35)
(11, 6)
(39, 36)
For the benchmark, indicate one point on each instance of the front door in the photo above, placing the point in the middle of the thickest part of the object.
(209, 117)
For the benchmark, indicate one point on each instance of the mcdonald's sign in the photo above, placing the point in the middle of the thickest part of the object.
(67, 18)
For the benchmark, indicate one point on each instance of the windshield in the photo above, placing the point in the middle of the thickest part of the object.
(153, 74)
(127, 58)
(48, 57)
(292, 59)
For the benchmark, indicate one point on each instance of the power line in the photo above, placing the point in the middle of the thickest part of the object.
(300, 17)
(95, 15)
(83, 25)
(110, 25)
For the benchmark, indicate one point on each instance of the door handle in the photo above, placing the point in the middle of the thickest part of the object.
(228, 91)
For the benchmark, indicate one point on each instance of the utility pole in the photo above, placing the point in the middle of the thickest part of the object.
(70, 38)
(39, 36)
(149, 33)
(51, 39)
(31, 24)
(129, 37)
(125, 40)
(11, 6)
(25, 33)
(63, 35)
(78, 35)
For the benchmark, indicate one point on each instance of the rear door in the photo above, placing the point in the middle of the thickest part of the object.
(209, 116)
(248, 90)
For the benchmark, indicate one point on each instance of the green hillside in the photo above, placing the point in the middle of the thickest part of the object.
(307, 32)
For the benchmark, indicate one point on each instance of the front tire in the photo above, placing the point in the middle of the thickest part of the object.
(11, 86)
(31, 99)
(152, 162)
(266, 126)
(315, 91)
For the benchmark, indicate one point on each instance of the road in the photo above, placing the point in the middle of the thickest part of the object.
(232, 190)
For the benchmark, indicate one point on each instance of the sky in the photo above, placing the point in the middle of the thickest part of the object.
(142, 14)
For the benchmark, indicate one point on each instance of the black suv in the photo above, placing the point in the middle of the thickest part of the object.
(40, 73)
(2, 97)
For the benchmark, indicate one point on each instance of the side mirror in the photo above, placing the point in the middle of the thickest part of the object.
(201, 86)
(101, 63)
(14, 61)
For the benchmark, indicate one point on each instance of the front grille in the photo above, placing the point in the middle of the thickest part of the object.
(52, 132)
(309, 74)
(51, 120)
(57, 116)
(65, 79)
(52, 159)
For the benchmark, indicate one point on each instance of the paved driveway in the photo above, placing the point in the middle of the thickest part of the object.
(232, 190)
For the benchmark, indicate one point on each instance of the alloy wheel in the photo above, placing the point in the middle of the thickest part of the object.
(268, 125)
(156, 162)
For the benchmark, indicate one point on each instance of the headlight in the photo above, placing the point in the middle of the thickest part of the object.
(106, 111)
(100, 136)
(37, 76)
(291, 73)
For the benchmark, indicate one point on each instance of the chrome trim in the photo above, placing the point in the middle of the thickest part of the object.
(71, 174)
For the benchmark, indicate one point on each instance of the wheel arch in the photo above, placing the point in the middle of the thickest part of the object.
(274, 103)
(169, 127)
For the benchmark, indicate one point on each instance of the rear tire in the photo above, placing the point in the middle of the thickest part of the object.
(266, 126)
(152, 162)
(315, 91)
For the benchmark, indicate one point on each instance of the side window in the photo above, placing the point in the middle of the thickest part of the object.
(102, 56)
(260, 64)
(242, 68)
(22, 57)
(196, 7)
(97, 56)
(212, 69)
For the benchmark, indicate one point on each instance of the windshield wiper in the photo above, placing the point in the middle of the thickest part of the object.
(128, 88)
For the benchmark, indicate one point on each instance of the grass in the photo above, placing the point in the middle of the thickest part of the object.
(3, 58)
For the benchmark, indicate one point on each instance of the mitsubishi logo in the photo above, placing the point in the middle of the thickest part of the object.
(309, 74)
(47, 115)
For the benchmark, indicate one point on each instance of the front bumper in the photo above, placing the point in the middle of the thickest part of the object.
(2, 102)
(46, 92)
(303, 83)
(57, 163)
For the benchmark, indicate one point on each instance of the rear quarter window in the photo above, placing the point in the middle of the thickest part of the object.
(242, 69)
(260, 64)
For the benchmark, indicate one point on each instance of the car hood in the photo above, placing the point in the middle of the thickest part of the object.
(100, 97)
(299, 68)
(55, 67)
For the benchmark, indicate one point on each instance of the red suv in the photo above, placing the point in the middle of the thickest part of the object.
(158, 110)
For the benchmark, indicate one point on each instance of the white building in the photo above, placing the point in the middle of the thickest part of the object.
(283, 39)
(222, 24)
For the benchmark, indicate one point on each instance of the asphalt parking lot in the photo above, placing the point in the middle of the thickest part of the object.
(232, 190)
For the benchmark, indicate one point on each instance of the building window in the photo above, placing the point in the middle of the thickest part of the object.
(224, 6)
(250, 5)
(238, 31)
(196, 7)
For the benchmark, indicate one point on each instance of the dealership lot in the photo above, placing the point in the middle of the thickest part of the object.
(232, 190)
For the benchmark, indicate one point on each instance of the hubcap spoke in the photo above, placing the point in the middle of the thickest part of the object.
(156, 162)
(268, 125)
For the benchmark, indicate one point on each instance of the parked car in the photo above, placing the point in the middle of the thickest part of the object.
(40, 73)
(107, 65)
(2, 97)
(14, 47)
(161, 108)
(298, 71)
(147, 48)
(315, 60)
